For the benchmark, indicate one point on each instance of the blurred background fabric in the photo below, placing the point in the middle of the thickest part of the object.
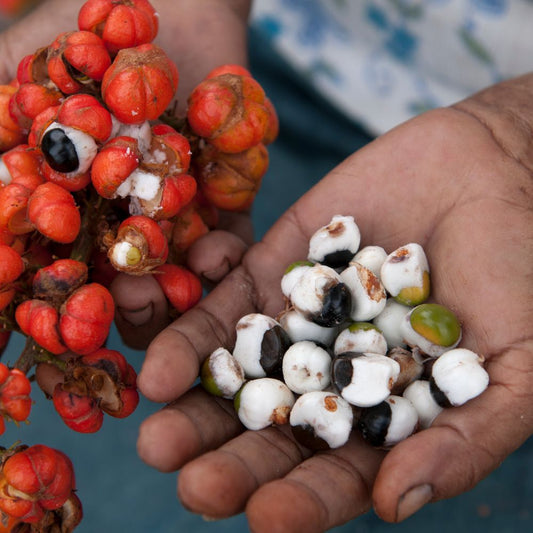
(120, 493)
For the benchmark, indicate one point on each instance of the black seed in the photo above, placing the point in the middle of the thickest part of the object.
(336, 306)
(76, 74)
(438, 395)
(109, 368)
(59, 151)
(342, 370)
(275, 343)
(338, 259)
(306, 436)
(374, 423)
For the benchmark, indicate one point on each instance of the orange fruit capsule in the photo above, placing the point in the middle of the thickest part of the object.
(53, 212)
(140, 84)
(120, 23)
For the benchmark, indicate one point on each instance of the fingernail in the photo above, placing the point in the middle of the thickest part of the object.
(218, 273)
(412, 500)
(137, 317)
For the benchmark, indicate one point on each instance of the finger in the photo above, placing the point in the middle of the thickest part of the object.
(219, 483)
(212, 256)
(326, 490)
(141, 309)
(463, 446)
(195, 424)
(238, 223)
(173, 359)
(47, 377)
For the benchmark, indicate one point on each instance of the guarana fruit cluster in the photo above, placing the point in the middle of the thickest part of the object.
(359, 346)
(99, 176)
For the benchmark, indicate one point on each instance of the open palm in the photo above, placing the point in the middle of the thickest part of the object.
(457, 181)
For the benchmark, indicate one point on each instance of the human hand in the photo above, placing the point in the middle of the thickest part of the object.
(198, 37)
(457, 181)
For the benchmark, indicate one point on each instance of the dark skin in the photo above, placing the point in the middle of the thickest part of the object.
(459, 182)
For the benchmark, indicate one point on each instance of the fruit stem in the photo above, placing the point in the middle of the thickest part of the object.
(34, 354)
(95, 210)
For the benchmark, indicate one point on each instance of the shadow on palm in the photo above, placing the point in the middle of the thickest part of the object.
(442, 180)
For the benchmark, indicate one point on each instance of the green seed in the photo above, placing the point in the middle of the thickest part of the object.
(133, 256)
(412, 296)
(297, 264)
(436, 323)
(237, 399)
(207, 380)
(362, 326)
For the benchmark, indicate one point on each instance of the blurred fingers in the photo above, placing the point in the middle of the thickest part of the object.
(238, 223)
(141, 309)
(47, 377)
(213, 256)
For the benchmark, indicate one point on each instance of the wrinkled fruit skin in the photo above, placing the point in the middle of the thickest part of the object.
(182, 288)
(86, 113)
(33, 481)
(86, 317)
(119, 397)
(140, 84)
(94, 384)
(53, 212)
(22, 161)
(174, 146)
(120, 23)
(229, 112)
(79, 412)
(187, 229)
(231, 181)
(57, 281)
(12, 265)
(29, 100)
(114, 162)
(75, 57)
(11, 134)
(79, 156)
(40, 321)
(14, 200)
(15, 401)
(176, 192)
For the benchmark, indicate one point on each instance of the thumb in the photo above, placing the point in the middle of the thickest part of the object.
(463, 445)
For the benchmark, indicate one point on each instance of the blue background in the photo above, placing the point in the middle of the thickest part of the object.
(120, 493)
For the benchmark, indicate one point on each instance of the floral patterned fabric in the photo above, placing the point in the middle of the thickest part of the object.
(383, 61)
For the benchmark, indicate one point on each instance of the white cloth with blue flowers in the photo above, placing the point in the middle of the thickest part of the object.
(384, 61)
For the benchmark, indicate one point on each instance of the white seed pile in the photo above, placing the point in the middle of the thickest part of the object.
(357, 347)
